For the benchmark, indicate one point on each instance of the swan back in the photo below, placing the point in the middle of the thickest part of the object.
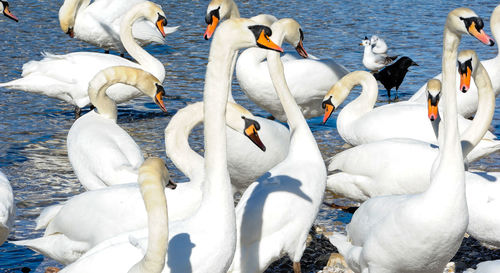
(153, 176)
(142, 80)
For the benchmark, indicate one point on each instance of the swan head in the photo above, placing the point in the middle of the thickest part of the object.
(242, 33)
(153, 170)
(433, 95)
(217, 11)
(465, 21)
(293, 34)
(243, 121)
(145, 10)
(4, 8)
(365, 42)
(467, 63)
(341, 89)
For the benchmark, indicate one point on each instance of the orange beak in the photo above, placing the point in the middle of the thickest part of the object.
(9, 14)
(159, 100)
(159, 24)
(465, 80)
(211, 28)
(265, 42)
(329, 108)
(432, 111)
(251, 133)
(480, 35)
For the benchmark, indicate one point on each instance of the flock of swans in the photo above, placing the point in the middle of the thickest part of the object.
(409, 163)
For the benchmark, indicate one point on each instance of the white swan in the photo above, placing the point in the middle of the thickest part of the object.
(467, 102)
(308, 80)
(204, 242)
(4, 8)
(7, 208)
(66, 77)
(149, 256)
(99, 150)
(359, 123)
(69, 233)
(98, 23)
(275, 213)
(412, 233)
(364, 173)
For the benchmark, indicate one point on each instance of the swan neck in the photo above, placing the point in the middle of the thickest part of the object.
(234, 11)
(276, 70)
(448, 177)
(364, 103)
(71, 8)
(104, 105)
(451, 136)
(156, 207)
(485, 111)
(216, 186)
(146, 60)
(495, 25)
(177, 145)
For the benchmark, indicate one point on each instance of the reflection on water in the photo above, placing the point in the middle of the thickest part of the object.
(33, 128)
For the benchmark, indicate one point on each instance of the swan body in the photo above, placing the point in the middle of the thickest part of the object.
(98, 23)
(371, 60)
(411, 233)
(364, 173)
(189, 248)
(112, 157)
(66, 77)
(120, 205)
(293, 188)
(359, 123)
(483, 201)
(4, 8)
(7, 208)
(149, 257)
(308, 79)
(467, 102)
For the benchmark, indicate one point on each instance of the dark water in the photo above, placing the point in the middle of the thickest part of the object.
(33, 128)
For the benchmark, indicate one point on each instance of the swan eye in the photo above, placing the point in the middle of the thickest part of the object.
(462, 67)
(211, 14)
(478, 22)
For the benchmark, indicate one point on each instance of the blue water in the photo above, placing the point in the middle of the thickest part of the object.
(33, 128)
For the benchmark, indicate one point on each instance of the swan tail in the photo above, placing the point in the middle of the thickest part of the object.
(57, 247)
(47, 215)
(352, 254)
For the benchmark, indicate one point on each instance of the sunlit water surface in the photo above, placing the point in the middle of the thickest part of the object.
(33, 128)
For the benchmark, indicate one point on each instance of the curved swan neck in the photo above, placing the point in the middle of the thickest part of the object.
(156, 207)
(70, 9)
(177, 144)
(104, 79)
(364, 102)
(146, 60)
(234, 12)
(485, 111)
(276, 70)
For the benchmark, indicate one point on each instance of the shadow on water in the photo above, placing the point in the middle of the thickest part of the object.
(179, 258)
(252, 222)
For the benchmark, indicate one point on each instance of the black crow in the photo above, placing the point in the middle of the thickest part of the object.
(393, 75)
